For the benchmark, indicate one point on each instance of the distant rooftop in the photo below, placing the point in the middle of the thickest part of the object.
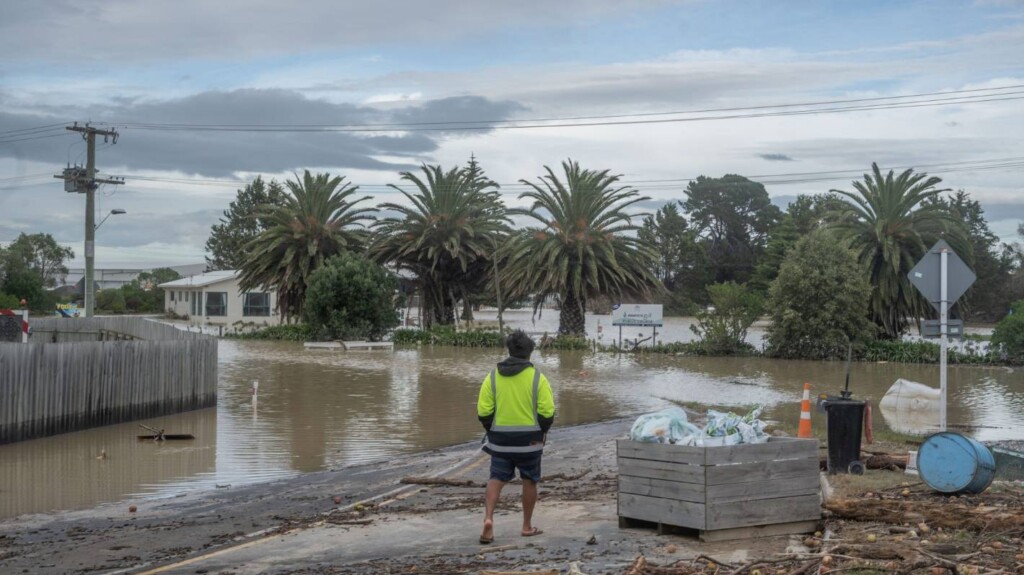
(201, 280)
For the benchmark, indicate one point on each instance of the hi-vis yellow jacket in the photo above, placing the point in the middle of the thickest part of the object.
(516, 407)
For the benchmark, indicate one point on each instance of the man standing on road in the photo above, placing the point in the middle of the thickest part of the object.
(516, 408)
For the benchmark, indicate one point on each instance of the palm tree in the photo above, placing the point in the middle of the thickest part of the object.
(446, 236)
(890, 226)
(318, 220)
(586, 245)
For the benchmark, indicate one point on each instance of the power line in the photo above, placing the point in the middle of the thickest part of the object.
(395, 126)
(54, 135)
(673, 183)
(32, 129)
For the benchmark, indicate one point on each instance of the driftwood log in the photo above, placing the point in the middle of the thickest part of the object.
(470, 483)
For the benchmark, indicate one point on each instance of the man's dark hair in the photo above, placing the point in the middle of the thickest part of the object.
(519, 344)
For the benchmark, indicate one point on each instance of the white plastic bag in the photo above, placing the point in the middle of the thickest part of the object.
(666, 426)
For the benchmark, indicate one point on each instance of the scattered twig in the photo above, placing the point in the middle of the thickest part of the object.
(497, 549)
(440, 481)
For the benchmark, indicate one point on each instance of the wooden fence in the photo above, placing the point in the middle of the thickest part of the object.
(98, 377)
(60, 330)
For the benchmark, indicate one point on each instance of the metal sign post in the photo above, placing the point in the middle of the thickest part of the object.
(942, 277)
(943, 327)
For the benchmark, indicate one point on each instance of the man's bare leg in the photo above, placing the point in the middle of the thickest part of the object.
(529, 502)
(490, 503)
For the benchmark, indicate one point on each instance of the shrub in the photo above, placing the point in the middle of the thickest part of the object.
(1008, 336)
(285, 332)
(446, 335)
(350, 297)
(723, 329)
(818, 302)
(9, 301)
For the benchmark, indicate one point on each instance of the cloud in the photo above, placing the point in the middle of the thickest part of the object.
(132, 32)
(775, 157)
(192, 149)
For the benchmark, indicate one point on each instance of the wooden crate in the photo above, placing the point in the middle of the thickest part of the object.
(729, 492)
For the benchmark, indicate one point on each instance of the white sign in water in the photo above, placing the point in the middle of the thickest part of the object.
(637, 314)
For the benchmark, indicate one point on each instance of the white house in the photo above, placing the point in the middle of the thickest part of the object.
(215, 299)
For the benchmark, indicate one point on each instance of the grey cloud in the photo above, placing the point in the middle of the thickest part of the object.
(775, 157)
(94, 30)
(194, 150)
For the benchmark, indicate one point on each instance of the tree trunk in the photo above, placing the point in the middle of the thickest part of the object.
(437, 308)
(571, 316)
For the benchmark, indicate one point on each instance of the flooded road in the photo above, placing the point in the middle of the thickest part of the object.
(324, 409)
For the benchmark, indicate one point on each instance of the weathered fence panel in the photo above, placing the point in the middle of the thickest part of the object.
(49, 388)
(61, 330)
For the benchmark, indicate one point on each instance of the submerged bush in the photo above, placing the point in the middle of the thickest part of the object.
(286, 332)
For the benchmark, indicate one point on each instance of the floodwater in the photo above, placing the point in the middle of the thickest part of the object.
(324, 409)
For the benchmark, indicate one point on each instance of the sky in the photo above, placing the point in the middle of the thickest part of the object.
(938, 86)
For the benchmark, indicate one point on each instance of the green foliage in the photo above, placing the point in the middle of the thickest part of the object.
(989, 297)
(240, 224)
(283, 332)
(782, 239)
(567, 343)
(350, 297)
(41, 254)
(733, 217)
(139, 296)
(681, 262)
(314, 223)
(8, 301)
(819, 302)
(1008, 336)
(583, 247)
(111, 301)
(446, 335)
(723, 329)
(446, 235)
(899, 351)
(890, 224)
(29, 265)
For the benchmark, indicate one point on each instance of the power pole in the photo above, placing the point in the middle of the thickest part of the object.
(75, 180)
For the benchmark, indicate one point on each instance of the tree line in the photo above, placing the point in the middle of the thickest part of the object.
(583, 243)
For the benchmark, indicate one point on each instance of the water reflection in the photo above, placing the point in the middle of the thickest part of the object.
(322, 409)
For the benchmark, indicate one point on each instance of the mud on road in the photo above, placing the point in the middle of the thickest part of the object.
(365, 520)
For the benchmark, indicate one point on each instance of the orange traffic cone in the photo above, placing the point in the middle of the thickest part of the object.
(804, 431)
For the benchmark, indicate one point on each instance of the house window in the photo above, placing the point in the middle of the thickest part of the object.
(256, 304)
(172, 295)
(195, 303)
(217, 303)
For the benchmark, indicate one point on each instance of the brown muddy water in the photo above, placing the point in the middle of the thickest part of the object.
(325, 409)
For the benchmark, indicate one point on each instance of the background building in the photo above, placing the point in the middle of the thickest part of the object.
(215, 299)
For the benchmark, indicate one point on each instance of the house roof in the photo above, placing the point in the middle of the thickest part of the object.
(202, 280)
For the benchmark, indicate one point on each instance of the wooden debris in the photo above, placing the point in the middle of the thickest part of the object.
(497, 549)
(945, 514)
(564, 477)
(536, 572)
(440, 481)
(638, 566)
(159, 435)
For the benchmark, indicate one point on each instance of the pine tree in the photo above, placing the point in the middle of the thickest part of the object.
(240, 224)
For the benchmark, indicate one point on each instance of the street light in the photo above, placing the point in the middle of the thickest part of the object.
(88, 288)
(114, 212)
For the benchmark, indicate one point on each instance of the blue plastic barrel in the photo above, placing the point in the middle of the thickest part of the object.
(951, 463)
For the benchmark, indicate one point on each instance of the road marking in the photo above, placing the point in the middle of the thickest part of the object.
(396, 494)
